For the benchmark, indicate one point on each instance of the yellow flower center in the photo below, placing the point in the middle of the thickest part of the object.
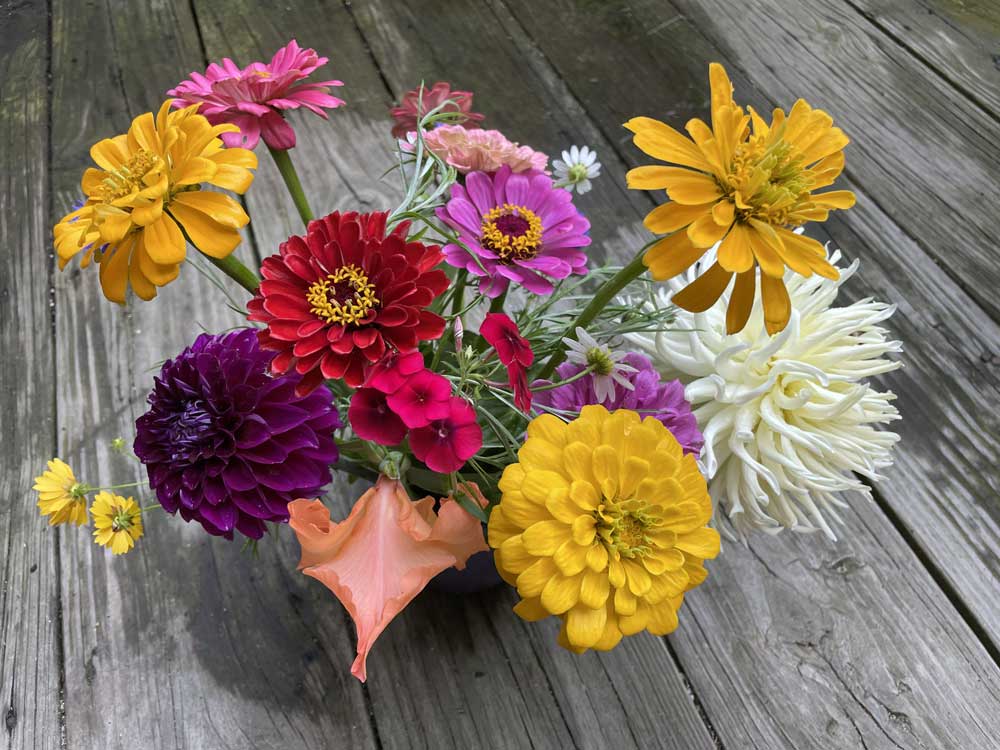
(771, 182)
(344, 297)
(625, 528)
(128, 177)
(512, 232)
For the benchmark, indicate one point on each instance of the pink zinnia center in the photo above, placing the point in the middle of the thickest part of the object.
(513, 232)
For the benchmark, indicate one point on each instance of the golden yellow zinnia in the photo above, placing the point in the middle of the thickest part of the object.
(117, 522)
(148, 186)
(602, 522)
(748, 188)
(60, 496)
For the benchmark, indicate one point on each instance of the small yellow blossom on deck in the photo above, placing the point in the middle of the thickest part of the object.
(60, 496)
(117, 522)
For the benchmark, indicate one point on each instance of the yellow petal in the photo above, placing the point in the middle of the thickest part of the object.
(777, 306)
(531, 582)
(531, 610)
(164, 242)
(570, 558)
(669, 217)
(220, 207)
(597, 558)
(692, 188)
(734, 253)
(545, 537)
(585, 626)
(661, 141)
(835, 199)
(741, 301)
(114, 271)
(652, 177)
(108, 154)
(703, 292)
(671, 255)
(705, 232)
(662, 619)
(561, 593)
(208, 235)
(194, 171)
(594, 589)
(765, 244)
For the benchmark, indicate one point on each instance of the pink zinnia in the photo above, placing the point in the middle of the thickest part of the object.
(415, 104)
(252, 97)
(446, 444)
(481, 150)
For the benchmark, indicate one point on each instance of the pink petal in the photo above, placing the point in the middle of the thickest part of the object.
(277, 133)
(378, 559)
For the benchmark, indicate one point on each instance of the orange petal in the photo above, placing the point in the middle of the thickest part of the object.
(207, 234)
(805, 255)
(765, 245)
(652, 177)
(703, 292)
(378, 559)
(835, 199)
(670, 217)
(661, 141)
(671, 255)
(114, 270)
(691, 188)
(777, 306)
(735, 253)
(741, 301)
(164, 242)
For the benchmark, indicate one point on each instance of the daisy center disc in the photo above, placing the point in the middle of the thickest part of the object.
(127, 178)
(512, 232)
(344, 297)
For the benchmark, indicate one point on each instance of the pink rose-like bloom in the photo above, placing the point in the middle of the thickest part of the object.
(517, 227)
(371, 418)
(252, 97)
(414, 105)
(446, 444)
(480, 150)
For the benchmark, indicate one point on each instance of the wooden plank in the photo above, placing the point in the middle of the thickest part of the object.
(910, 129)
(30, 649)
(495, 682)
(217, 639)
(937, 389)
(956, 40)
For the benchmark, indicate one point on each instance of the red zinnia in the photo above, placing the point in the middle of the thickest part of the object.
(514, 351)
(339, 298)
(415, 104)
(446, 444)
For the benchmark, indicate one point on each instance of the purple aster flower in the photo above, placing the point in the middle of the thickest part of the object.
(649, 397)
(227, 444)
(518, 228)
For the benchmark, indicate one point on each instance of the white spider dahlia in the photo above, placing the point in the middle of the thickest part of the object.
(788, 420)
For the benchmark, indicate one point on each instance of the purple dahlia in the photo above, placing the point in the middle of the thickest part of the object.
(227, 444)
(649, 397)
(515, 227)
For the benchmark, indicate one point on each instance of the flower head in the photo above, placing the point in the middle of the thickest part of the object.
(446, 443)
(602, 522)
(515, 227)
(117, 522)
(421, 399)
(746, 189)
(60, 496)
(371, 418)
(649, 396)
(253, 98)
(228, 445)
(514, 352)
(340, 298)
(146, 191)
(479, 150)
(788, 420)
(421, 100)
(390, 372)
(576, 169)
(608, 366)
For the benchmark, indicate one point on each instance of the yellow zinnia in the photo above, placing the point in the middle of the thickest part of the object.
(117, 522)
(60, 496)
(746, 188)
(147, 188)
(602, 522)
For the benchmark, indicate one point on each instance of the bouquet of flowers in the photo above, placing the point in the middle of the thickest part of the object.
(591, 425)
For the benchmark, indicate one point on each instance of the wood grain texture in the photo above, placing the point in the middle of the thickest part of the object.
(959, 41)
(448, 672)
(29, 573)
(944, 486)
(217, 640)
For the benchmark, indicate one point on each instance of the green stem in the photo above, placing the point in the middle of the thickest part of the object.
(456, 306)
(559, 383)
(151, 507)
(234, 269)
(115, 486)
(284, 163)
(601, 299)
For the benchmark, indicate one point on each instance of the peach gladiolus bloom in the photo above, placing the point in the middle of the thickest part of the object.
(378, 559)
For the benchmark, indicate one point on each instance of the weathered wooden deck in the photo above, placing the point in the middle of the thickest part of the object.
(889, 638)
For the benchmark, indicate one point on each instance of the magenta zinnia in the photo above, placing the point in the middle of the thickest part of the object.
(228, 445)
(253, 98)
(346, 294)
(517, 227)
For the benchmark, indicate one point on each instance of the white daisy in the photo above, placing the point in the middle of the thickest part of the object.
(607, 367)
(576, 169)
(788, 420)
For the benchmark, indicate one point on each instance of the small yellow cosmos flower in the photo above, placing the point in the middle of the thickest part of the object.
(117, 522)
(146, 189)
(60, 496)
(602, 522)
(746, 188)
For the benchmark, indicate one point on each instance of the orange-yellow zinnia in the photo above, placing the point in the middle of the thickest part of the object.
(746, 188)
(147, 187)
